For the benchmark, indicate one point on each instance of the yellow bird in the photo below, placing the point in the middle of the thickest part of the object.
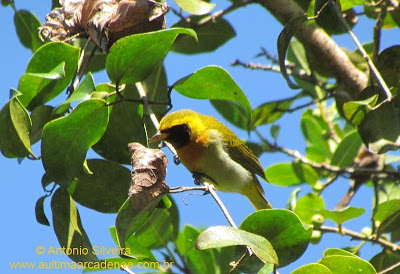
(213, 152)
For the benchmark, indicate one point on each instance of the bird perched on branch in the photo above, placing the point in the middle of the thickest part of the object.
(211, 151)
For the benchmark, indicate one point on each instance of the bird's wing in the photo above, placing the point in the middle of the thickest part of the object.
(246, 158)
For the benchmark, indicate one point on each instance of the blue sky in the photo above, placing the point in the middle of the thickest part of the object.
(255, 28)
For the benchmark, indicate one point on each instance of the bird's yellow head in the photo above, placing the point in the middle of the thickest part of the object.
(181, 127)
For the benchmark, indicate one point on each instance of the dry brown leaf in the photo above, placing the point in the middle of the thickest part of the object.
(149, 168)
(104, 21)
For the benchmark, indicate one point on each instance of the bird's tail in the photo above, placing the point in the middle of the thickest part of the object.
(258, 200)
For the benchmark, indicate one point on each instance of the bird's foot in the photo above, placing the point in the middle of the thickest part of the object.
(177, 161)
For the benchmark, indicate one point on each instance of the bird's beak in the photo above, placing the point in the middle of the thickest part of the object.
(159, 136)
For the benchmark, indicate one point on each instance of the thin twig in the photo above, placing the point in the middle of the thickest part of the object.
(149, 111)
(365, 55)
(329, 122)
(294, 71)
(324, 166)
(390, 268)
(359, 236)
(377, 30)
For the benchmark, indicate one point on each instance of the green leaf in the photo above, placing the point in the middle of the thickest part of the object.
(388, 65)
(343, 215)
(314, 132)
(275, 131)
(125, 126)
(223, 236)
(39, 212)
(68, 227)
(110, 181)
(289, 174)
(355, 111)
(133, 58)
(307, 206)
(27, 27)
(347, 264)
(160, 228)
(56, 73)
(348, 4)
(131, 217)
(133, 246)
(283, 229)
(156, 87)
(82, 93)
(383, 260)
(74, 135)
(380, 129)
(212, 83)
(313, 268)
(338, 251)
(297, 54)
(196, 7)
(211, 35)
(46, 62)
(232, 112)
(386, 209)
(40, 116)
(198, 261)
(283, 43)
(347, 150)
(16, 126)
(269, 112)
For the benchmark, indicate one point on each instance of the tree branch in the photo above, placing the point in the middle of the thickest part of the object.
(358, 236)
(324, 166)
(317, 42)
(390, 268)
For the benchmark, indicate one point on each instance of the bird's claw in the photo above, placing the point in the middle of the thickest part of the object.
(177, 161)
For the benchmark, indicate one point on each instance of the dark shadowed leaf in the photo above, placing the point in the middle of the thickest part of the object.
(39, 212)
(283, 43)
(74, 135)
(35, 85)
(105, 190)
(15, 127)
(223, 236)
(196, 7)
(125, 126)
(380, 129)
(388, 64)
(68, 227)
(39, 116)
(385, 259)
(27, 27)
(211, 35)
(212, 83)
(283, 229)
(133, 58)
